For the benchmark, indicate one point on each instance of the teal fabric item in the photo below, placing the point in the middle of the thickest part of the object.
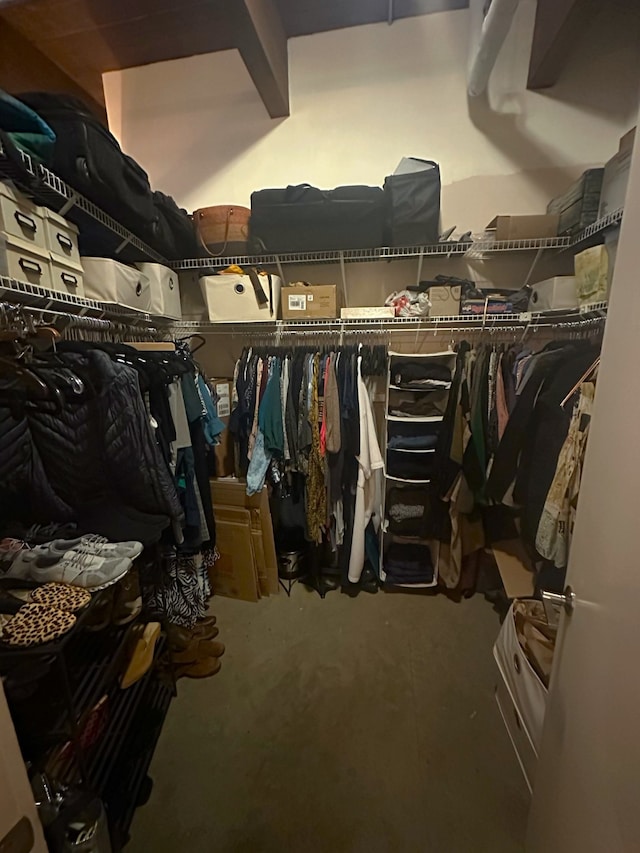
(26, 129)
(270, 412)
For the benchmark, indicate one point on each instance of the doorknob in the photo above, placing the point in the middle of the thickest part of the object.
(552, 600)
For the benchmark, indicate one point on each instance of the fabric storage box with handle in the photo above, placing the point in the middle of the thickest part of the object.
(306, 219)
(164, 296)
(554, 294)
(110, 281)
(62, 242)
(21, 218)
(232, 298)
(413, 203)
(223, 229)
(23, 261)
(527, 690)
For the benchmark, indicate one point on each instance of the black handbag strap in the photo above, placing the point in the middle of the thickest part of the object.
(261, 296)
(19, 171)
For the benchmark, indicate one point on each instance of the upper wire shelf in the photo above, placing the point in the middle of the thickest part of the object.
(49, 189)
(478, 249)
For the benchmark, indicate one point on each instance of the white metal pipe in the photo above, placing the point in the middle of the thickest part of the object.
(496, 25)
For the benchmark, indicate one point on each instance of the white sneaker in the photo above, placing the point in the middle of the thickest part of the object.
(99, 546)
(80, 569)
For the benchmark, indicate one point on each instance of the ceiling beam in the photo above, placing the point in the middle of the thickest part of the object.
(24, 68)
(557, 27)
(262, 42)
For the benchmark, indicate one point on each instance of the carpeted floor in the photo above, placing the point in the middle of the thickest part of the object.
(346, 725)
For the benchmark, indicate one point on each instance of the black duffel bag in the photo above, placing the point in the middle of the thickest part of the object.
(413, 203)
(90, 159)
(172, 234)
(305, 219)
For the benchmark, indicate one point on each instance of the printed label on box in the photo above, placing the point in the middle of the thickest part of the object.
(298, 302)
(224, 403)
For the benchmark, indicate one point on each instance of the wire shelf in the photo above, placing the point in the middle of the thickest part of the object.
(51, 190)
(585, 315)
(33, 296)
(478, 249)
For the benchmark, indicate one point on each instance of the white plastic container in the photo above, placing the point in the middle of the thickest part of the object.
(232, 298)
(110, 281)
(554, 294)
(165, 290)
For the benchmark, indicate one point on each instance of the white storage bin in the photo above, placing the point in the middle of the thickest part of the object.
(23, 261)
(21, 218)
(110, 281)
(66, 277)
(164, 290)
(524, 748)
(527, 691)
(232, 298)
(553, 294)
(61, 237)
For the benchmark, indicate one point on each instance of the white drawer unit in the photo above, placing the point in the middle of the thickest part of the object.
(165, 290)
(111, 281)
(232, 298)
(61, 237)
(67, 277)
(21, 218)
(23, 261)
(518, 735)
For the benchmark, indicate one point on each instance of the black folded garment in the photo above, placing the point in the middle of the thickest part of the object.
(413, 442)
(418, 371)
(431, 404)
(408, 562)
(410, 466)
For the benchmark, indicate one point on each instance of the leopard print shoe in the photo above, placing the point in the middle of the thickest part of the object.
(35, 624)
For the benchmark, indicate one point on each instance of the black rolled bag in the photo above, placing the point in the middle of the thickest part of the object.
(305, 219)
(172, 234)
(88, 157)
(413, 203)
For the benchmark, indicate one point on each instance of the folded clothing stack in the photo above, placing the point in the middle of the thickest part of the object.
(410, 466)
(421, 374)
(426, 406)
(407, 511)
(408, 563)
(413, 442)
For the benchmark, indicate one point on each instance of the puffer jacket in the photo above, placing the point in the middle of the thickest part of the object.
(103, 448)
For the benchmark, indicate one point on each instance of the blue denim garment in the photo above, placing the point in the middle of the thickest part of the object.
(211, 423)
(258, 466)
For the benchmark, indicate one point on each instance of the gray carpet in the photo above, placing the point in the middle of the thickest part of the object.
(340, 726)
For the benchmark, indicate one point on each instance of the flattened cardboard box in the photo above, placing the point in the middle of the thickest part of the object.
(234, 574)
(233, 493)
(523, 227)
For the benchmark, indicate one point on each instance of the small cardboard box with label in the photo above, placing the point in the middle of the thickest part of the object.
(223, 452)
(310, 301)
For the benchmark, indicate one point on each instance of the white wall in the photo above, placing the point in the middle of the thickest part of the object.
(361, 98)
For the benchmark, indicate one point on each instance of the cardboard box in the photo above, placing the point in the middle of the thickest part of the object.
(627, 140)
(232, 493)
(313, 301)
(235, 575)
(445, 300)
(367, 311)
(614, 182)
(523, 227)
(224, 452)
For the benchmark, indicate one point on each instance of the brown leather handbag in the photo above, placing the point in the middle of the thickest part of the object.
(223, 229)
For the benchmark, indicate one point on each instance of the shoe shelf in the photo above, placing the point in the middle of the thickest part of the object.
(478, 249)
(48, 189)
(122, 792)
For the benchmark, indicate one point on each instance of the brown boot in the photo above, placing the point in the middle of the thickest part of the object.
(204, 668)
(196, 650)
(181, 638)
